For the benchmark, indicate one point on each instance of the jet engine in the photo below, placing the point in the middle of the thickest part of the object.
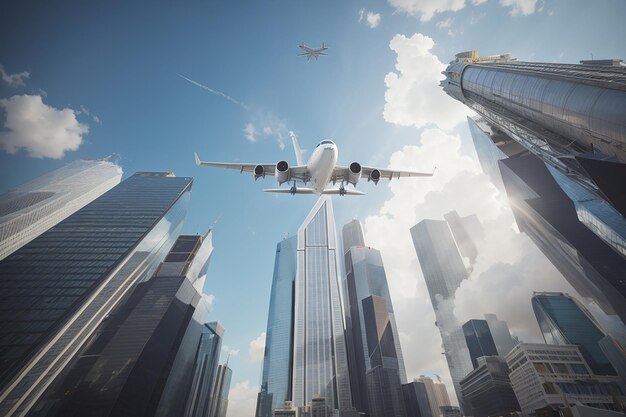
(259, 171)
(282, 172)
(354, 173)
(374, 176)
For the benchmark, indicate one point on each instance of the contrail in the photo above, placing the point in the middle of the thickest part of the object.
(217, 93)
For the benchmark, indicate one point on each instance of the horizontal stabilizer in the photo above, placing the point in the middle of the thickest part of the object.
(288, 190)
(347, 191)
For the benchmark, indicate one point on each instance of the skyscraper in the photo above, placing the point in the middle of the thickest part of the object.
(501, 334)
(563, 320)
(219, 397)
(278, 357)
(479, 340)
(488, 391)
(436, 393)
(416, 400)
(563, 113)
(444, 270)
(32, 208)
(205, 366)
(544, 212)
(320, 367)
(377, 365)
(124, 369)
(59, 287)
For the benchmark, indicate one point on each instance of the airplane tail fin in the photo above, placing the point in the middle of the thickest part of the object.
(197, 158)
(297, 150)
(323, 45)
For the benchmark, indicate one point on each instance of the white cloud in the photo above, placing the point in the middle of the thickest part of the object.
(41, 130)
(413, 96)
(242, 400)
(478, 2)
(232, 352)
(256, 350)
(13, 80)
(523, 7)
(426, 9)
(250, 132)
(271, 128)
(371, 19)
(444, 24)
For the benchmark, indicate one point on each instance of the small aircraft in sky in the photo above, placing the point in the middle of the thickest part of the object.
(319, 171)
(312, 52)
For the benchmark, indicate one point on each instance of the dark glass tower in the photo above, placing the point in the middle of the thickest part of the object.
(479, 340)
(416, 400)
(488, 391)
(375, 357)
(548, 216)
(58, 288)
(277, 360)
(563, 320)
(124, 369)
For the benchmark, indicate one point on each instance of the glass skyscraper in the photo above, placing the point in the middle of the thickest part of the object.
(32, 208)
(124, 369)
(479, 340)
(219, 400)
(58, 288)
(443, 269)
(376, 361)
(548, 216)
(278, 357)
(501, 334)
(563, 320)
(320, 367)
(205, 365)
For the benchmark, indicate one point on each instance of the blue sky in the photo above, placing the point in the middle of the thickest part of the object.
(119, 63)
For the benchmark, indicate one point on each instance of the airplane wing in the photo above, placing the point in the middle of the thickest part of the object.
(341, 173)
(300, 190)
(297, 172)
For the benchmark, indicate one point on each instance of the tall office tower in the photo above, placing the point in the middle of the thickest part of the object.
(487, 389)
(416, 400)
(32, 208)
(479, 340)
(124, 369)
(444, 270)
(436, 392)
(278, 357)
(203, 366)
(59, 287)
(568, 115)
(501, 334)
(544, 377)
(544, 212)
(563, 320)
(219, 401)
(375, 356)
(320, 367)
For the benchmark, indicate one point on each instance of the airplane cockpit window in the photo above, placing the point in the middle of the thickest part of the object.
(326, 142)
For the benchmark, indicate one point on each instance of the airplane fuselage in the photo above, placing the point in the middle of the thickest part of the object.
(321, 165)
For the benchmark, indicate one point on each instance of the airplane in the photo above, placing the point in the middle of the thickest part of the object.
(312, 52)
(320, 170)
